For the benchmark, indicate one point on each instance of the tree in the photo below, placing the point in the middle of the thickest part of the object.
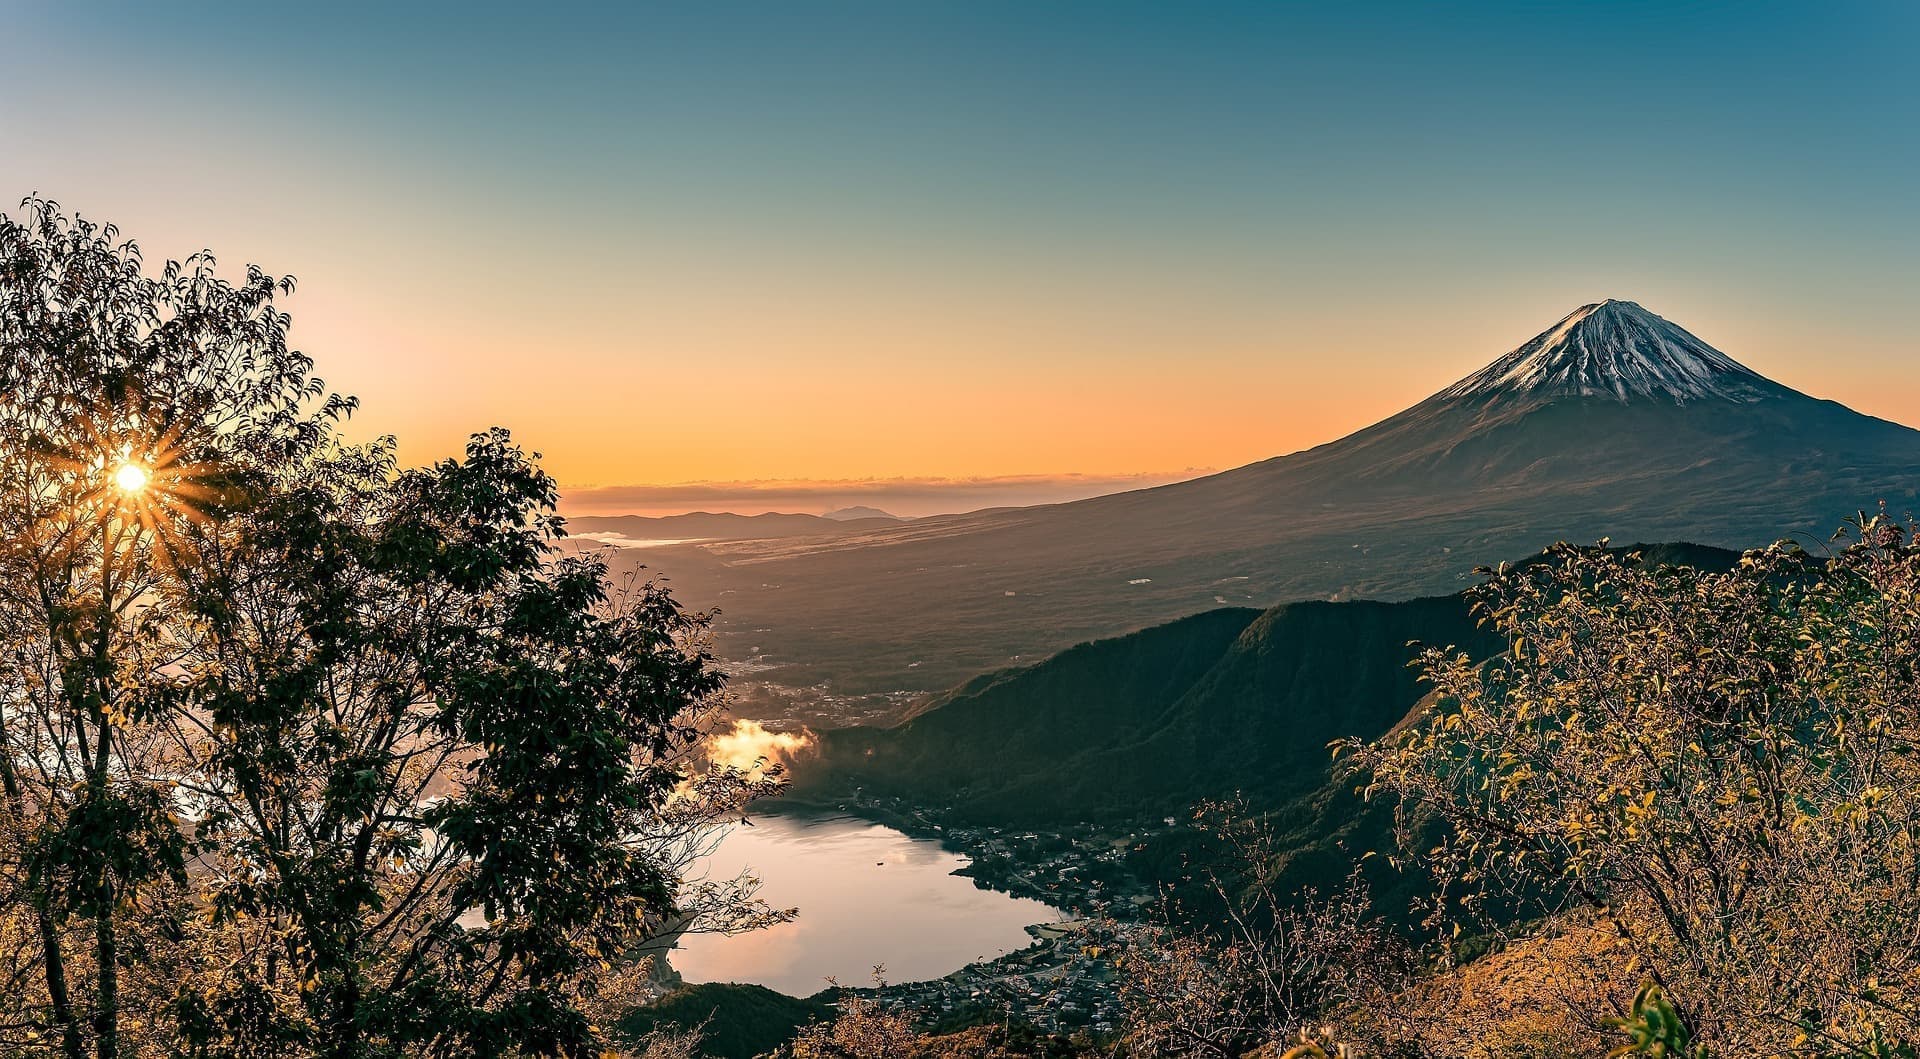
(1726, 766)
(354, 757)
(112, 378)
(1261, 963)
(863, 1030)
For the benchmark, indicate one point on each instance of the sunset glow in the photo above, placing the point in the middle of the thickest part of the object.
(687, 246)
(131, 478)
(827, 529)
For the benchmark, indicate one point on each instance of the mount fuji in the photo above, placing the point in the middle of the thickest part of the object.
(1613, 423)
(1614, 349)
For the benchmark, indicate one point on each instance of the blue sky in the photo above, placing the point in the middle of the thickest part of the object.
(1143, 237)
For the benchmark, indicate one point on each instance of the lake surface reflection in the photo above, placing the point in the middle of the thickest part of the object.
(867, 895)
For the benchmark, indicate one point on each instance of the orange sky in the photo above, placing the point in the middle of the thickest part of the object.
(877, 394)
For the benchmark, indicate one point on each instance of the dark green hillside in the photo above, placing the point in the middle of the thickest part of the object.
(736, 1021)
(1002, 727)
(1226, 701)
(1147, 724)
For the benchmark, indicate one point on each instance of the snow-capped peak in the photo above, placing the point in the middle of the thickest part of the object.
(1614, 349)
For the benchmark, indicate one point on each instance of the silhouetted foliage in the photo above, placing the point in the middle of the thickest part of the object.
(1264, 965)
(335, 758)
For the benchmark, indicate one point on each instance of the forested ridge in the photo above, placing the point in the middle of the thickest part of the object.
(1228, 701)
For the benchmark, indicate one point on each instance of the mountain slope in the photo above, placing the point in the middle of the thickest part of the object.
(1613, 423)
(1147, 724)
(990, 736)
(1150, 724)
(1082, 737)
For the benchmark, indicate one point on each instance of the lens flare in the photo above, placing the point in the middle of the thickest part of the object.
(131, 478)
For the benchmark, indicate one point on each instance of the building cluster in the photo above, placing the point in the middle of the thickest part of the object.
(1055, 984)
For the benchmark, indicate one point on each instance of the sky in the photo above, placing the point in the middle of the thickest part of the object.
(796, 255)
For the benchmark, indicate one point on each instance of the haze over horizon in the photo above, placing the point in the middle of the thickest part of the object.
(898, 497)
(964, 256)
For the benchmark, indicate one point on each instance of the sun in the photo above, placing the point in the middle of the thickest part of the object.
(131, 478)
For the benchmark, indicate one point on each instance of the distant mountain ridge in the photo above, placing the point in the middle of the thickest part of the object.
(725, 525)
(1611, 423)
(860, 511)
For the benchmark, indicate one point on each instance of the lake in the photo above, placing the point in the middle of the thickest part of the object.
(867, 895)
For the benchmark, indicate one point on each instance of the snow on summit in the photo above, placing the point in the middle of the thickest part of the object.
(1614, 349)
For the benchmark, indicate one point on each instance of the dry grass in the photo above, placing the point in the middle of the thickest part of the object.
(1543, 995)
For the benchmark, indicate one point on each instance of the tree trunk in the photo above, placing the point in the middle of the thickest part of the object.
(70, 1042)
(106, 1013)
